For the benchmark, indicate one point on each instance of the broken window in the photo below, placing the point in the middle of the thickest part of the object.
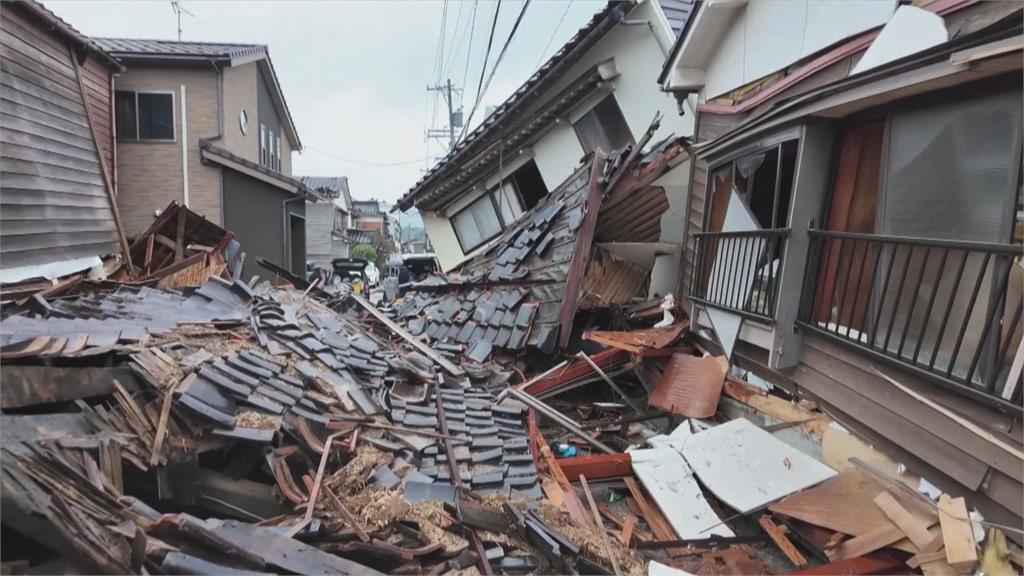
(603, 127)
(144, 115)
(764, 181)
(529, 184)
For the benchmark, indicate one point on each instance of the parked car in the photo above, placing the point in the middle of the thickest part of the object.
(404, 269)
(352, 271)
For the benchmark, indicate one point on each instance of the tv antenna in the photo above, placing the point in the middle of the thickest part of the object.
(178, 11)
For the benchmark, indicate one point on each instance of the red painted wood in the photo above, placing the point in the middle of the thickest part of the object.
(597, 466)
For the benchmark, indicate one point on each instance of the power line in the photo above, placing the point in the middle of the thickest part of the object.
(454, 54)
(469, 52)
(553, 34)
(363, 162)
(487, 56)
(497, 62)
(439, 56)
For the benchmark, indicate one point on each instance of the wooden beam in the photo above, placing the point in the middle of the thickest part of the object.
(107, 186)
(571, 499)
(778, 536)
(404, 334)
(32, 385)
(600, 527)
(581, 250)
(598, 466)
(916, 530)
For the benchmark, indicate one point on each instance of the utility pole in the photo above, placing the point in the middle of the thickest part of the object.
(454, 117)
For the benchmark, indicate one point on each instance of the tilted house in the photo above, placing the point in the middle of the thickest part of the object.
(206, 124)
(856, 220)
(58, 178)
(596, 93)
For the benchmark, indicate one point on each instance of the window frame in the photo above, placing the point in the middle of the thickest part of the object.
(278, 143)
(773, 142)
(263, 144)
(497, 212)
(593, 111)
(135, 98)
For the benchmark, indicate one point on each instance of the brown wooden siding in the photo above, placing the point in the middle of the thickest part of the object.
(709, 127)
(919, 435)
(52, 192)
(96, 80)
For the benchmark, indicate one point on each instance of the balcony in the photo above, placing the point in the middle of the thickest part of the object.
(946, 311)
(740, 271)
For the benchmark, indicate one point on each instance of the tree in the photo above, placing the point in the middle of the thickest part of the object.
(364, 251)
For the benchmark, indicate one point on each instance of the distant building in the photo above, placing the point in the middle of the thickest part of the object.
(328, 217)
(371, 217)
(207, 124)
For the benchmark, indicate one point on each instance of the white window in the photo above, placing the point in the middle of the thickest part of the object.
(263, 144)
(278, 153)
(476, 223)
(603, 127)
(270, 146)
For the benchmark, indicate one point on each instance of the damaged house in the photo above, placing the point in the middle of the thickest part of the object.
(206, 124)
(57, 171)
(595, 93)
(855, 220)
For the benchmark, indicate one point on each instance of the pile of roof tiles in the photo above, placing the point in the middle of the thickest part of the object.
(244, 406)
(510, 296)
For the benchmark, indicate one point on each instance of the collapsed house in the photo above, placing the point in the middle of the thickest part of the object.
(589, 245)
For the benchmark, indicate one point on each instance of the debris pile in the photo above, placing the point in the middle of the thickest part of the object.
(185, 421)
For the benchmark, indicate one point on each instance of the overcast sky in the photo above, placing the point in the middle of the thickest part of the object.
(354, 73)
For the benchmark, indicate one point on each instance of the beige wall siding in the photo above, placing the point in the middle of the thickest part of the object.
(239, 94)
(150, 172)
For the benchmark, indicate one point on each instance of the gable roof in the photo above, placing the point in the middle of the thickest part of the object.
(150, 51)
(60, 26)
(529, 92)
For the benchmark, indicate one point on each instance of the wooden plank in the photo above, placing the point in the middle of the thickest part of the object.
(571, 499)
(916, 530)
(581, 251)
(404, 334)
(600, 527)
(627, 530)
(957, 535)
(778, 536)
(814, 422)
(878, 538)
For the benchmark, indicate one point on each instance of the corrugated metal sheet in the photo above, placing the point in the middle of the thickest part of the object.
(53, 201)
(139, 46)
(690, 386)
(320, 246)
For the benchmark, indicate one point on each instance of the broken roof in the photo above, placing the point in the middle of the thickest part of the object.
(60, 26)
(529, 92)
(146, 51)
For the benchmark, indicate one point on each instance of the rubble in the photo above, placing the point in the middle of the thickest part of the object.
(230, 428)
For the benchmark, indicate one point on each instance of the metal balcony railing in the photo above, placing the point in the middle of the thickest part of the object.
(739, 271)
(948, 311)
